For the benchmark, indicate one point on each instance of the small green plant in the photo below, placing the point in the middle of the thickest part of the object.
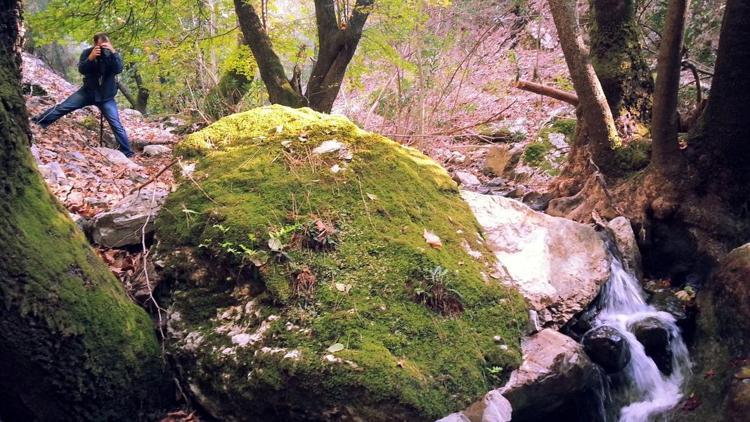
(535, 153)
(495, 375)
(436, 291)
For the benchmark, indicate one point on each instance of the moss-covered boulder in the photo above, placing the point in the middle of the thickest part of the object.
(323, 272)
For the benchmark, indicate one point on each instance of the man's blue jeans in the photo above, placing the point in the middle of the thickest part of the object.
(81, 99)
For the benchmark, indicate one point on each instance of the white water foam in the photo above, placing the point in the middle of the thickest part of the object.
(649, 392)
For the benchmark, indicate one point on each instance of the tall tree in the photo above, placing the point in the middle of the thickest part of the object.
(73, 346)
(618, 59)
(600, 131)
(665, 123)
(338, 37)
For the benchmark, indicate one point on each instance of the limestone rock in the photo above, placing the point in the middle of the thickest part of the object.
(156, 150)
(557, 264)
(554, 370)
(466, 179)
(118, 158)
(124, 224)
(624, 237)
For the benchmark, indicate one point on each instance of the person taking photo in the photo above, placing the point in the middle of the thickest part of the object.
(99, 65)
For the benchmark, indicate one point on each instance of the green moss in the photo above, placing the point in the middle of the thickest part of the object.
(399, 354)
(633, 156)
(74, 346)
(536, 153)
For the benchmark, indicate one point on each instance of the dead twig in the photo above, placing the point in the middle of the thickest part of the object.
(153, 178)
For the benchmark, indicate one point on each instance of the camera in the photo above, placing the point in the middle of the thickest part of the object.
(106, 52)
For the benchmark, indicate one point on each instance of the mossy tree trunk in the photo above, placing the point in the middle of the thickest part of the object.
(73, 347)
(599, 133)
(617, 57)
(222, 99)
(337, 42)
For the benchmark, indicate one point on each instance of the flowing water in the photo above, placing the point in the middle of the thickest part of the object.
(647, 392)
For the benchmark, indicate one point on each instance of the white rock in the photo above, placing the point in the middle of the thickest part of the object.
(241, 339)
(466, 179)
(118, 158)
(156, 150)
(557, 264)
(557, 140)
(130, 112)
(328, 147)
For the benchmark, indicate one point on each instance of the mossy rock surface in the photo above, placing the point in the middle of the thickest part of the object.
(307, 293)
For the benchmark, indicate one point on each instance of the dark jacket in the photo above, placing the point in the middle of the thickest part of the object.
(99, 75)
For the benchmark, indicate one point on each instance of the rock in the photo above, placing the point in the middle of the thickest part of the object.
(555, 370)
(731, 289)
(557, 140)
(492, 408)
(367, 269)
(466, 179)
(655, 338)
(536, 201)
(624, 237)
(328, 147)
(117, 157)
(156, 150)
(500, 159)
(53, 172)
(533, 326)
(607, 347)
(131, 112)
(124, 224)
(684, 314)
(558, 264)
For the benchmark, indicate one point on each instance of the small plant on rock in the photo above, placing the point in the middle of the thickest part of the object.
(436, 291)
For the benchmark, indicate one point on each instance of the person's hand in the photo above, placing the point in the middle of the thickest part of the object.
(108, 46)
(95, 52)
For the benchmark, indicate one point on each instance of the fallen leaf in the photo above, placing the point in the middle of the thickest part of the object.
(372, 197)
(335, 347)
(274, 244)
(432, 239)
(343, 287)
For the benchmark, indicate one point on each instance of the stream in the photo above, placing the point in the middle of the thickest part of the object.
(645, 392)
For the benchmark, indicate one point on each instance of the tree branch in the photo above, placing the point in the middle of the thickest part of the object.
(548, 91)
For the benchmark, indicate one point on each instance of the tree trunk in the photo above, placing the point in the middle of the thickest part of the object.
(336, 47)
(722, 139)
(665, 155)
(73, 346)
(141, 103)
(618, 60)
(597, 117)
(280, 90)
(223, 98)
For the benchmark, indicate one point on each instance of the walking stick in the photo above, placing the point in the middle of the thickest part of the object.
(101, 129)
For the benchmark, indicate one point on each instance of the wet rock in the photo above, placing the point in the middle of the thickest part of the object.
(626, 242)
(581, 323)
(555, 370)
(655, 338)
(124, 224)
(607, 347)
(465, 178)
(557, 264)
(684, 314)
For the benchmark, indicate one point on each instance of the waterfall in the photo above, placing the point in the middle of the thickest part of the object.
(647, 391)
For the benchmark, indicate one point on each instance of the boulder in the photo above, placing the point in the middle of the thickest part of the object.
(654, 335)
(607, 347)
(624, 237)
(684, 313)
(128, 220)
(731, 290)
(558, 264)
(554, 372)
(302, 294)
